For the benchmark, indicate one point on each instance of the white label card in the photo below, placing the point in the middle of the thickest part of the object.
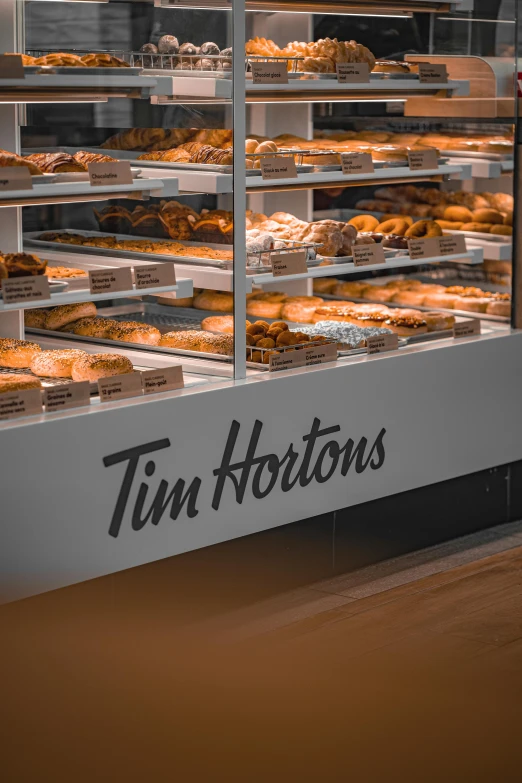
(103, 281)
(467, 328)
(117, 387)
(11, 66)
(353, 73)
(15, 178)
(25, 402)
(430, 73)
(154, 275)
(284, 264)
(452, 245)
(381, 343)
(357, 163)
(269, 73)
(280, 167)
(166, 379)
(67, 395)
(368, 255)
(423, 160)
(428, 247)
(303, 357)
(116, 172)
(25, 289)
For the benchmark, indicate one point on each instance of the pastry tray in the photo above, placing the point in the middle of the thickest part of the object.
(71, 70)
(496, 156)
(55, 286)
(390, 252)
(457, 313)
(500, 238)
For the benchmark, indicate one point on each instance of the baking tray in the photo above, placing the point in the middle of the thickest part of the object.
(457, 313)
(71, 70)
(47, 383)
(496, 156)
(500, 238)
(55, 286)
(43, 179)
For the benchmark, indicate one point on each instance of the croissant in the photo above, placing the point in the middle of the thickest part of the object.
(98, 60)
(12, 159)
(84, 158)
(135, 139)
(53, 162)
(262, 46)
(172, 138)
(60, 59)
(175, 155)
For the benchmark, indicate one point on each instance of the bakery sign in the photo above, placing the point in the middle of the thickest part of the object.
(323, 453)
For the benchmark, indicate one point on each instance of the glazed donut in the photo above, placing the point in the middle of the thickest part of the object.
(364, 222)
(66, 314)
(504, 230)
(396, 226)
(449, 225)
(481, 228)
(300, 308)
(55, 364)
(12, 381)
(486, 216)
(458, 214)
(17, 353)
(391, 216)
(134, 332)
(92, 366)
(424, 228)
(35, 318)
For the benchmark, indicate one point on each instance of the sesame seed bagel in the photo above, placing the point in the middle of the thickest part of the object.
(55, 364)
(11, 381)
(65, 314)
(92, 366)
(17, 353)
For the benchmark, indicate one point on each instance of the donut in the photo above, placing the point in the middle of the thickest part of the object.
(502, 146)
(438, 322)
(406, 322)
(267, 146)
(55, 364)
(12, 381)
(483, 228)
(17, 353)
(503, 230)
(449, 225)
(134, 332)
(474, 304)
(35, 318)
(266, 304)
(92, 366)
(251, 145)
(64, 314)
(392, 216)
(364, 222)
(396, 226)
(424, 228)
(325, 285)
(220, 301)
(458, 214)
(486, 216)
(352, 288)
(409, 297)
(300, 308)
(224, 324)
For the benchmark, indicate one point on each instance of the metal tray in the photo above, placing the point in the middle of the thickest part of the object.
(497, 156)
(500, 238)
(54, 285)
(46, 382)
(388, 253)
(43, 179)
(31, 240)
(72, 70)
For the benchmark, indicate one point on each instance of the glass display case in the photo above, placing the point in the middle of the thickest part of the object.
(226, 229)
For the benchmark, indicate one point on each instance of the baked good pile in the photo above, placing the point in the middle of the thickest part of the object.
(65, 59)
(318, 57)
(169, 53)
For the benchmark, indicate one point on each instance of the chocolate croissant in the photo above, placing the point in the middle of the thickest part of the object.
(84, 158)
(54, 162)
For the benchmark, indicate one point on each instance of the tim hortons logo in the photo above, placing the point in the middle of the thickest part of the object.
(318, 460)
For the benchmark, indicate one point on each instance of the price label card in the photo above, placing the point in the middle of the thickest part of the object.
(422, 160)
(381, 343)
(15, 178)
(25, 402)
(278, 167)
(357, 163)
(116, 172)
(429, 247)
(154, 275)
(353, 73)
(11, 66)
(167, 379)
(452, 245)
(25, 289)
(105, 281)
(269, 73)
(367, 255)
(304, 357)
(118, 387)
(284, 264)
(433, 74)
(467, 328)
(67, 395)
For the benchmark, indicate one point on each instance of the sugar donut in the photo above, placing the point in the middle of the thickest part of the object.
(55, 364)
(364, 222)
(396, 226)
(486, 216)
(66, 314)
(92, 366)
(17, 353)
(12, 381)
(458, 214)
(424, 228)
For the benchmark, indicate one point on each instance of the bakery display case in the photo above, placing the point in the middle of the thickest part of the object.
(225, 228)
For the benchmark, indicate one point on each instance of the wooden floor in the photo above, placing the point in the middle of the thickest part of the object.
(339, 681)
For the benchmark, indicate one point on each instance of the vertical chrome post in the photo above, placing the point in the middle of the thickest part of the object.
(239, 180)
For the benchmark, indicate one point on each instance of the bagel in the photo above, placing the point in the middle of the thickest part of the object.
(503, 230)
(458, 214)
(487, 216)
(55, 364)
(481, 228)
(449, 225)
(424, 228)
(396, 226)
(17, 354)
(91, 367)
(364, 222)
(65, 314)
